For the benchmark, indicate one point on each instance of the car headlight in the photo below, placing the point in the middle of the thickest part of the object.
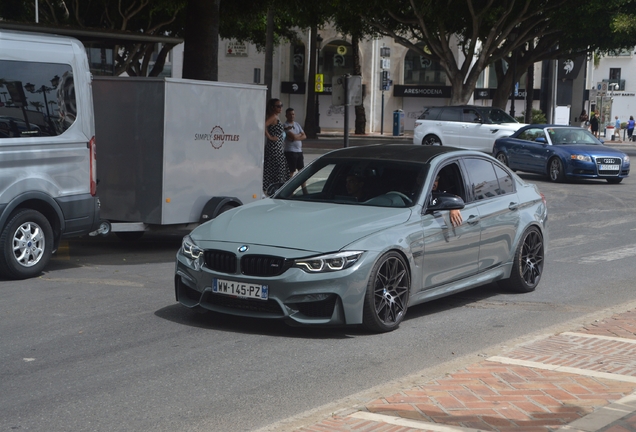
(190, 249)
(626, 159)
(582, 158)
(328, 263)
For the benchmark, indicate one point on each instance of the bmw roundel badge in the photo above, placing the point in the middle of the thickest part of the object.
(243, 248)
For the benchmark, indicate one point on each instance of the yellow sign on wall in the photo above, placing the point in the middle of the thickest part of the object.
(319, 83)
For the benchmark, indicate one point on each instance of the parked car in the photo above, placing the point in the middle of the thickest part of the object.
(359, 235)
(467, 126)
(561, 152)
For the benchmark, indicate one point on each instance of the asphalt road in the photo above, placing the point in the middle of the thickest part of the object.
(98, 342)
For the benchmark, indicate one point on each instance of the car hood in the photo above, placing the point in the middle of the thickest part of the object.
(595, 150)
(308, 226)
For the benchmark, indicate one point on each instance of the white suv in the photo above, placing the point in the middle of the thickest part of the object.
(467, 126)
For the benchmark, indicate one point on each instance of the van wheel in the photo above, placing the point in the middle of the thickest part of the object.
(27, 244)
(431, 140)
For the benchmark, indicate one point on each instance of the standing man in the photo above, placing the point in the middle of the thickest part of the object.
(617, 128)
(293, 142)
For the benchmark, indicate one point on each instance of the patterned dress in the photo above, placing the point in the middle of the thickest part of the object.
(275, 168)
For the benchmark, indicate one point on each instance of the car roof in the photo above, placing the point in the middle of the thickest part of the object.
(543, 126)
(395, 152)
(477, 107)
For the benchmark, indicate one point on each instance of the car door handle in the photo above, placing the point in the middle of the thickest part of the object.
(472, 220)
(513, 206)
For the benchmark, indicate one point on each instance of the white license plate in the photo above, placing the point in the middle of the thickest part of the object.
(240, 289)
(608, 167)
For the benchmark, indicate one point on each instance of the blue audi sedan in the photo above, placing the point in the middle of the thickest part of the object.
(561, 152)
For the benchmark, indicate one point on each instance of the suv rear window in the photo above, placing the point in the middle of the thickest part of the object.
(38, 99)
(451, 114)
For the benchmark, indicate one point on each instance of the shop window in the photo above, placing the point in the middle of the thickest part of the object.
(297, 73)
(336, 59)
(419, 70)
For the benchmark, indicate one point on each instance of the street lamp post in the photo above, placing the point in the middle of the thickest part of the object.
(318, 43)
(44, 90)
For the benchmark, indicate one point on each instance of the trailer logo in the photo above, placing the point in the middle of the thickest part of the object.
(216, 137)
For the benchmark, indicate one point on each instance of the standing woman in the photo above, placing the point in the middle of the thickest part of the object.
(630, 128)
(275, 165)
(594, 124)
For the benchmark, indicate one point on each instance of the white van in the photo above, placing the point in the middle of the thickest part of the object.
(47, 149)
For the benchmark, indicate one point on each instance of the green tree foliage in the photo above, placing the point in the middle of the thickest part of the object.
(465, 36)
(151, 17)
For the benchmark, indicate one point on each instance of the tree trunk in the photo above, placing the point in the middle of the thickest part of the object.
(529, 93)
(361, 116)
(269, 52)
(310, 112)
(201, 50)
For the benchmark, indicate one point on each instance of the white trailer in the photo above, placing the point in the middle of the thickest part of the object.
(174, 153)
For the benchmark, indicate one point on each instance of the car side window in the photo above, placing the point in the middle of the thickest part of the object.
(506, 184)
(430, 113)
(38, 99)
(471, 116)
(450, 114)
(531, 134)
(483, 180)
(451, 181)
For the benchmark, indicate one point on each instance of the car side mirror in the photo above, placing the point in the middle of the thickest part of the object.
(271, 189)
(445, 201)
(541, 140)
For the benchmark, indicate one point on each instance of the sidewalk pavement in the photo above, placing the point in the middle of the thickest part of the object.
(580, 380)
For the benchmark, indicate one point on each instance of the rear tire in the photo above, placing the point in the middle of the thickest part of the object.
(387, 296)
(26, 244)
(501, 157)
(527, 266)
(555, 170)
(431, 140)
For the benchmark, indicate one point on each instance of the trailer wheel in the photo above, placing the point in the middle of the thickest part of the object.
(129, 236)
(26, 244)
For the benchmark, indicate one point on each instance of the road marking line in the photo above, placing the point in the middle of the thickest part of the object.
(612, 338)
(610, 255)
(415, 424)
(603, 416)
(566, 369)
(63, 252)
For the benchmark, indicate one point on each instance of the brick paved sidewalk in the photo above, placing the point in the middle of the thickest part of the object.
(583, 380)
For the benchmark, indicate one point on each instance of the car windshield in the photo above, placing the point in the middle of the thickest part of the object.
(378, 183)
(498, 116)
(574, 135)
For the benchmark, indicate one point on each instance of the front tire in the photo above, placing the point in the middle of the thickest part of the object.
(26, 243)
(431, 140)
(614, 180)
(387, 296)
(527, 266)
(555, 170)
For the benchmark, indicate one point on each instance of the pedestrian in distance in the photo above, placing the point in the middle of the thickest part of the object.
(294, 142)
(275, 168)
(583, 118)
(594, 124)
(617, 128)
(630, 128)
